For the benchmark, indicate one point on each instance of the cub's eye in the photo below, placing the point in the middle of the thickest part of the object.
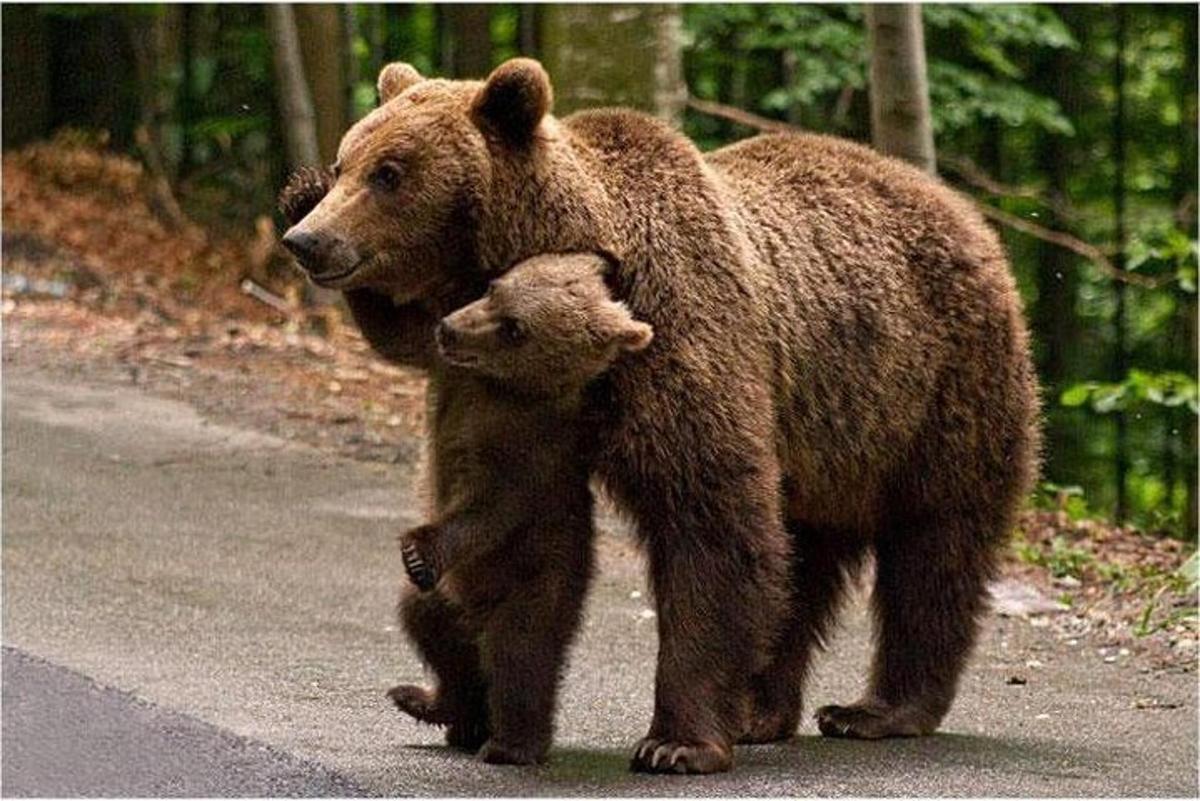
(386, 177)
(511, 331)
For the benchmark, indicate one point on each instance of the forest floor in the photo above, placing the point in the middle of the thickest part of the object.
(102, 287)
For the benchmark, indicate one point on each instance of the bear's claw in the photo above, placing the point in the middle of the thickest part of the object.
(421, 573)
(668, 756)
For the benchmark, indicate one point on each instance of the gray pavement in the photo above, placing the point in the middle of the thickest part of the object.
(72, 737)
(242, 587)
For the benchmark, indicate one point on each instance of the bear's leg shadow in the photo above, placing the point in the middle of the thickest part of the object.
(719, 568)
(930, 590)
(822, 562)
(448, 647)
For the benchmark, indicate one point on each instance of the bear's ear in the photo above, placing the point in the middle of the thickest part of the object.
(616, 325)
(513, 100)
(395, 78)
(634, 336)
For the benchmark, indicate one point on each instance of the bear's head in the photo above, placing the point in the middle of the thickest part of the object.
(417, 178)
(548, 325)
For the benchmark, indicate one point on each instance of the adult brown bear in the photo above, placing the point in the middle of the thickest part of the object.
(840, 367)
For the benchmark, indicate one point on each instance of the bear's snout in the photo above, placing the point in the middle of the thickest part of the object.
(325, 258)
(304, 246)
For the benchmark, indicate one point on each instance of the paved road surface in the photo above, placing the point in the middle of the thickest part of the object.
(190, 608)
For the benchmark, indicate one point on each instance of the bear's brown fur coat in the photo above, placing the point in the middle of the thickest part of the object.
(511, 548)
(840, 367)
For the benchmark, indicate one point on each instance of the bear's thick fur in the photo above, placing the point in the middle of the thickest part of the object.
(511, 548)
(840, 368)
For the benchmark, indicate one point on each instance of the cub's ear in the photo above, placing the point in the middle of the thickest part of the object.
(513, 101)
(395, 78)
(635, 336)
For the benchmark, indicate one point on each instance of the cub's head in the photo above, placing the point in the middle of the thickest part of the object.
(547, 325)
(409, 179)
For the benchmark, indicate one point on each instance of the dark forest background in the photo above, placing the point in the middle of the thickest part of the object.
(1074, 126)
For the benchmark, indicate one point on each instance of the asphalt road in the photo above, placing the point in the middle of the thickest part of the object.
(196, 609)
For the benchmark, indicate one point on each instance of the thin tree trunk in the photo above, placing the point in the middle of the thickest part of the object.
(1057, 273)
(187, 100)
(148, 38)
(1185, 198)
(615, 54)
(319, 27)
(468, 41)
(27, 58)
(527, 29)
(350, 33)
(1120, 365)
(900, 119)
(295, 103)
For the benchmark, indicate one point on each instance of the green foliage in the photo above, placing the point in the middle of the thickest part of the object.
(1067, 498)
(1140, 387)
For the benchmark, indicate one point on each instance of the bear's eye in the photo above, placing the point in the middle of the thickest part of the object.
(386, 177)
(511, 331)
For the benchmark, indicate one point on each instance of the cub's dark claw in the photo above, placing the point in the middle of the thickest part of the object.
(420, 573)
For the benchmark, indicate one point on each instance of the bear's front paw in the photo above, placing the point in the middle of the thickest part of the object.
(654, 755)
(417, 553)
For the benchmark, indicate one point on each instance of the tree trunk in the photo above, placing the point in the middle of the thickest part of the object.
(295, 104)
(1185, 199)
(322, 37)
(618, 54)
(1120, 366)
(1054, 320)
(350, 70)
(26, 51)
(527, 29)
(468, 42)
(900, 120)
(151, 38)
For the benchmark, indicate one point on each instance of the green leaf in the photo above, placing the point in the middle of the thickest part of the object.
(1077, 395)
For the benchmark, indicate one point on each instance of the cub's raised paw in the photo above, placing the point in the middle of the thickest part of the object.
(873, 722)
(653, 755)
(420, 703)
(496, 754)
(414, 551)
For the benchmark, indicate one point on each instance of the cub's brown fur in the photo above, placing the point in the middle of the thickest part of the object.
(512, 545)
(840, 367)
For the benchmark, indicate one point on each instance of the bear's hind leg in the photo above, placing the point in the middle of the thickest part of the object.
(445, 644)
(823, 559)
(524, 648)
(930, 591)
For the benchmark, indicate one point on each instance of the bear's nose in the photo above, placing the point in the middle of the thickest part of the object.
(304, 247)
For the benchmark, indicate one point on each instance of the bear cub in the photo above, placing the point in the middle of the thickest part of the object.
(511, 547)
(533, 343)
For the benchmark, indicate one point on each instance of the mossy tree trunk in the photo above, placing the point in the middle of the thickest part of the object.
(615, 55)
